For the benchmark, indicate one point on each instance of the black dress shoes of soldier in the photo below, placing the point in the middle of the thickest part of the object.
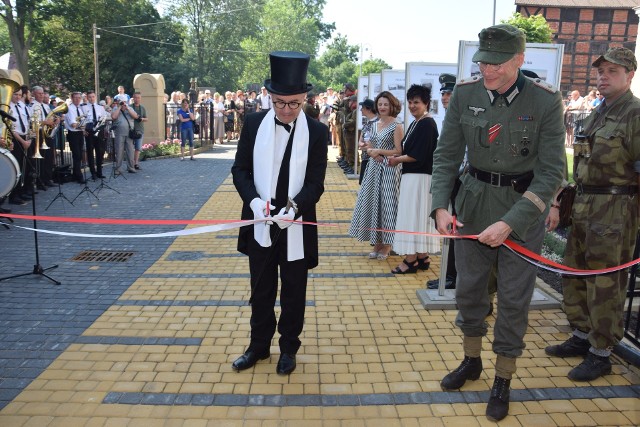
(469, 369)
(498, 406)
(249, 359)
(286, 364)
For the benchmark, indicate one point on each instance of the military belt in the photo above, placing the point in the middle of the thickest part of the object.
(496, 179)
(611, 189)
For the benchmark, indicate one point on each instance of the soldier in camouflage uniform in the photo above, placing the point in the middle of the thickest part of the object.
(349, 133)
(604, 217)
(512, 128)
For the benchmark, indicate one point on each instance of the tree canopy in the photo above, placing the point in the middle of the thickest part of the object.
(535, 27)
(224, 43)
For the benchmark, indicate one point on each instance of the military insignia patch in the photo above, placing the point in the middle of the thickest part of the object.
(525, 118)
(477, 110)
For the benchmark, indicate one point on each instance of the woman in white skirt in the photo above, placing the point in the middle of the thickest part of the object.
(414, 203)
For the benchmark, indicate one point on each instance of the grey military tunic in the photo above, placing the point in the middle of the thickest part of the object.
(527, 135)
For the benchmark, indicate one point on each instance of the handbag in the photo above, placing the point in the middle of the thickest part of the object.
(566, 196)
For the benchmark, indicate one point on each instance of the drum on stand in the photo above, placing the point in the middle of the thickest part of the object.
(9, 172)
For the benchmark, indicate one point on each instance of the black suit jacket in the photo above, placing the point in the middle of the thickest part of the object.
(306, 199)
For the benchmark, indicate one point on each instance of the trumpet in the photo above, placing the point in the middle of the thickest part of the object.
(35, 130)
(50, 131)
(82, 121)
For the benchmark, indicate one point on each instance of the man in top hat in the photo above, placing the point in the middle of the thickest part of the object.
(279, 173)
(604, 218)
(512, 128)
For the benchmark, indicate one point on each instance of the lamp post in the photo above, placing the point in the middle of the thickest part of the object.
(96, 69)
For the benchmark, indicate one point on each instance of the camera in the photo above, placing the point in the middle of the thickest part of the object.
(122, 103)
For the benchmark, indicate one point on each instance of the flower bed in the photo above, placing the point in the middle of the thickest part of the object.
(163, 148)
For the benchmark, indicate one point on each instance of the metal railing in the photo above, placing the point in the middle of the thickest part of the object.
(203, 123)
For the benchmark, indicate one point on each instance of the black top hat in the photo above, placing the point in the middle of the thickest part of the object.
(288, 73)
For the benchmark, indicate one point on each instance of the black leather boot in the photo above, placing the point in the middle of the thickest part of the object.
(469, 369)
(572, 347)
(498, 406)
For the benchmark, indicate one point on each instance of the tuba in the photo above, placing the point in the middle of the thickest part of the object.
(50, 131)
(7, 87)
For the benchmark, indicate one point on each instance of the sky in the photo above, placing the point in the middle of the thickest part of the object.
(400, 31)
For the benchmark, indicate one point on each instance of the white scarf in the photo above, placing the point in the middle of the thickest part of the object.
(263, 156)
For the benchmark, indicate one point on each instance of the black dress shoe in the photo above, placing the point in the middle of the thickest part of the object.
(101, 176)
(469, 369)
(449, 284)
(248, 359)
(26, 197)
(286, 364)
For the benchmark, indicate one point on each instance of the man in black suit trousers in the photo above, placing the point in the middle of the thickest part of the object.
(279, 168)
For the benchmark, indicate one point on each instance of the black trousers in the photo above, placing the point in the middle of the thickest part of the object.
(76, 144)
(46, 172)
(263, 265)
(97, 145)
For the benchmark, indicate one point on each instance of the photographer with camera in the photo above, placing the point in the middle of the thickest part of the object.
(123, 117)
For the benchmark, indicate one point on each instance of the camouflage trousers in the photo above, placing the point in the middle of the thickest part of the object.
(603, 235)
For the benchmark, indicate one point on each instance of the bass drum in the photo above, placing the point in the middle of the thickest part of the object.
(9, 172)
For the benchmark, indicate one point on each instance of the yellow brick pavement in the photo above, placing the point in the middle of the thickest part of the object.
(363, 336)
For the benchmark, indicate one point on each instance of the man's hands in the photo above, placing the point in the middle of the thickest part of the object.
(495, 234)
(284, 219)
(444, 222)
(259, 208)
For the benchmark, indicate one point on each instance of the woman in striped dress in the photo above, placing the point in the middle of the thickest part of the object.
(377, 202)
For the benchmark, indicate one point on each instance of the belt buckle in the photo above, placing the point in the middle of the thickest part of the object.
(495, 179)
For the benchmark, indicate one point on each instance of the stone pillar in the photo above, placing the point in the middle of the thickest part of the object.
(13, 74)
(635, 83)
(151, 87)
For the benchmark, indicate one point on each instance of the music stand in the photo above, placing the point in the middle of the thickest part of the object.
(86, 188)
(103, 184)
(37, 268)
(60, 194)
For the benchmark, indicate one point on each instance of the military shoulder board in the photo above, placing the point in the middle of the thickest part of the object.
(544, 85)
(469, 80)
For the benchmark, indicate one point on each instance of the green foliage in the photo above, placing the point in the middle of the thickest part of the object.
(224, 43)
(554, 246)
(535, 27)
(283, 25)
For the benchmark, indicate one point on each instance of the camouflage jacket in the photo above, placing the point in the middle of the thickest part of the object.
(614, 137)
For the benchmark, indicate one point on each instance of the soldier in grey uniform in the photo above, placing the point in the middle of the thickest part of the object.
(604, 218)
(512, 128)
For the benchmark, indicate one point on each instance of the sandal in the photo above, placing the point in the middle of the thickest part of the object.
(424, 263)
(382, 257)
(412, 268)
(373, 255)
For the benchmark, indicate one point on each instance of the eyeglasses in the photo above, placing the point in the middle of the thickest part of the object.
(491, 67)
(293, 105)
